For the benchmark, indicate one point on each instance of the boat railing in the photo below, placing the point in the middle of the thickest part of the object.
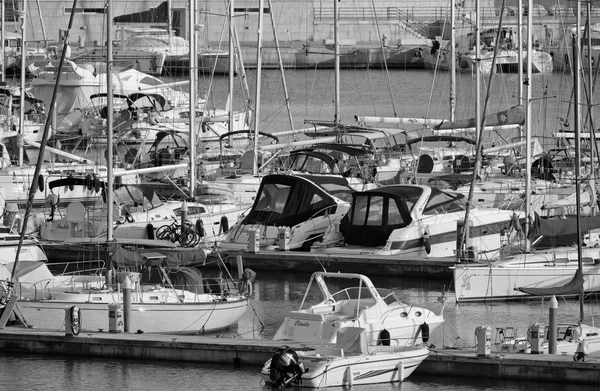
(78, 268)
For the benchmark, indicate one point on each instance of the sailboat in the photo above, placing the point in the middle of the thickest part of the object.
(151, 299)
(562, 268)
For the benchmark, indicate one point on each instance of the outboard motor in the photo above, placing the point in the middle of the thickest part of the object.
(285, 368)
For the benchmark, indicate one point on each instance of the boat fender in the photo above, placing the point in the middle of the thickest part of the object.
(41, 182)
(200, 228)
(514, 222)
(89, 183)
(150, 231)
(74, 315)
(129, 217)
(224, 224)
(96, 184)
(424, 332)
(71, 186)
(426, 242)
(204, 127)
(384, 338)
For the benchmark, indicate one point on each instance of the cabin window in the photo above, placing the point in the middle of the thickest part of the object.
(375, 216)
(273, 198)
(441, 202)
(394, 216)
(359, 214)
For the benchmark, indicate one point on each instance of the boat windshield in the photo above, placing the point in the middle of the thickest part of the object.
(441, 202)
(353, 293)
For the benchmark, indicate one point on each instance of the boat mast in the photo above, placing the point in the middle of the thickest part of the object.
(337, 115)
(590, 105)
(258, 85)
(453, 60)
(576, 39)
(109, 123)
(231, 67)
(2, 4)
(193, 75)
(518, 45)
(528, 126)
(22, 16)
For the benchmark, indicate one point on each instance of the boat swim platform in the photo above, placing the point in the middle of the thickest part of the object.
(558, 368)
(385, 265)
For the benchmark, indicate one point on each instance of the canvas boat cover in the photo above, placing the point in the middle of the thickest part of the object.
(159, 14)
(570, 288)
(513, 116)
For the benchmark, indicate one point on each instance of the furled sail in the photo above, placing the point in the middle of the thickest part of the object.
(513, 116)
(572, 287)
(159, 14)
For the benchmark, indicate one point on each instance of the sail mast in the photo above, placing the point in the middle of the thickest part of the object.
(577, 111)
(528, 127)
(258, 85)
(453, 60)
(336, 62)
(193, 75)
(109, 123)
(23, 17)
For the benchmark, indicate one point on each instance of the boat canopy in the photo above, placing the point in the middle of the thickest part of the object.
(286, 200)
(374, 214)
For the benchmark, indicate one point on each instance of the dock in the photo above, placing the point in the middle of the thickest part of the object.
(383, 265)
(558, 368)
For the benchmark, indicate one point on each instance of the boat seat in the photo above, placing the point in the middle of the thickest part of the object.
(326, 351)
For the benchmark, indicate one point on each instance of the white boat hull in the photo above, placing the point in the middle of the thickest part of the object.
(388, 365)
(147, 317)
(498, 281)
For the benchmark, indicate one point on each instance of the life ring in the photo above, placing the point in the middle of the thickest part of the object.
(41, 182)
(579, 357)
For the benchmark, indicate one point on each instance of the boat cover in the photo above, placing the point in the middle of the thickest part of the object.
(570, 288)
(159, 14)
(121, 257)
(287, 200)
(513, 116)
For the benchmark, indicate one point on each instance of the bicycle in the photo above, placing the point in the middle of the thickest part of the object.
(186, 235)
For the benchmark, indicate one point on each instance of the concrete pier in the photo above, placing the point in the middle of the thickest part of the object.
(556, 368)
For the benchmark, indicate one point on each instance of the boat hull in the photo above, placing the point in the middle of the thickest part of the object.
(476, 283)
(145, 317)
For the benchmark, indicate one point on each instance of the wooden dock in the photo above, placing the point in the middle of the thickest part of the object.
(245, 352)
(401, 266)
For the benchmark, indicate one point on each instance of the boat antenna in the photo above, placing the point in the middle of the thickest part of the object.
(36, 174)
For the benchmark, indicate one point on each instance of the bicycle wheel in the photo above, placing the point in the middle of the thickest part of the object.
(188, 238)
(165, 233)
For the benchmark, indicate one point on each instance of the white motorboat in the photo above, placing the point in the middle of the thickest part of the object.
(302, 205)
(349, 362)
(416, 220)
(377, 310)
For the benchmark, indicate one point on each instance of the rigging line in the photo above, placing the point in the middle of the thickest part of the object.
(384, 60)
(482, 127)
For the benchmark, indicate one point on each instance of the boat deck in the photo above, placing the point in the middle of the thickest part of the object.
(559, 368)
